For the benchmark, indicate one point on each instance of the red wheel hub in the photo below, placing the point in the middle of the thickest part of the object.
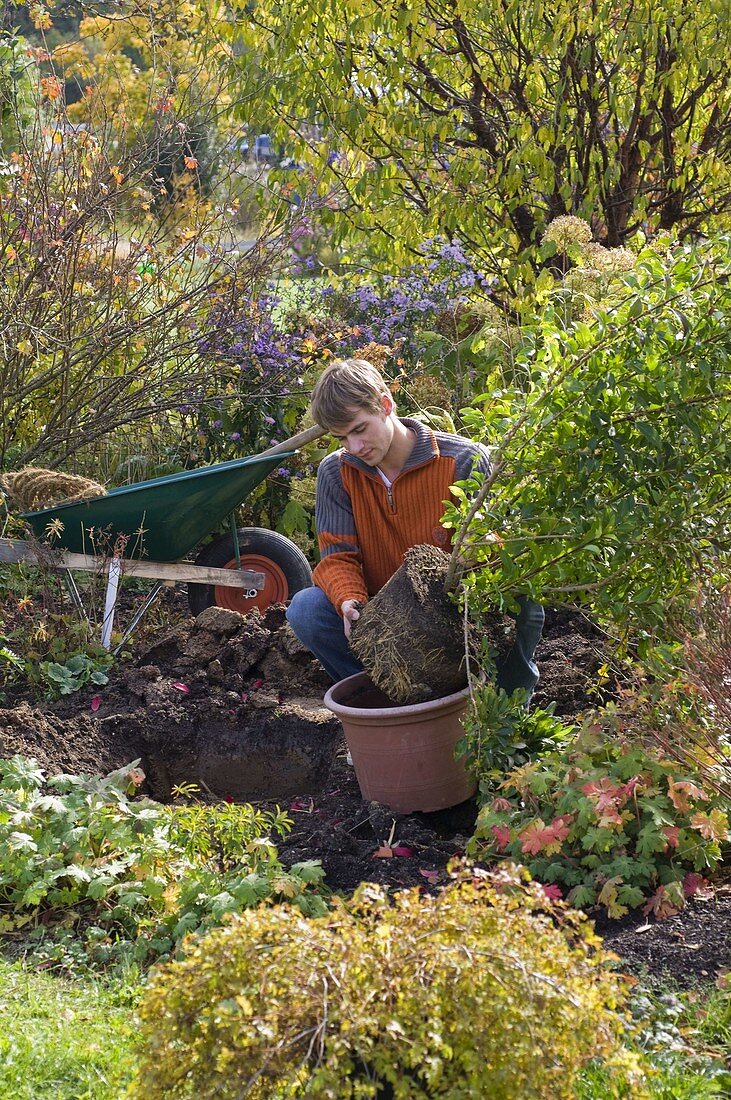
(275, 590)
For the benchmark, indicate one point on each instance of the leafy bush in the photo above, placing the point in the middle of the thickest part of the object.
(613, 823)
(610, 476)
(501, 734)
(483, 989)
(88, 853)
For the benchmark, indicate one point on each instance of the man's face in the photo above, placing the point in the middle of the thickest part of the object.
(368, 435)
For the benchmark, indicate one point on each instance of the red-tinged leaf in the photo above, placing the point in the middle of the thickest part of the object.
(502, 836)
(257, 684)
(402, 850)
(552, 891)
(181, 687)
(384, 852)
(682, 792)
(430, 876)
(692, 883)
(534, 837)
(244, 697)
(666, 901)
(95, 703)
(228, 798)
(671, 832)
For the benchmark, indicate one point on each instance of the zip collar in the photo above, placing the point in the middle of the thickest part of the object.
(425, 448)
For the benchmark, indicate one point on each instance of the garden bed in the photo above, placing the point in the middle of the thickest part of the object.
(235, 705)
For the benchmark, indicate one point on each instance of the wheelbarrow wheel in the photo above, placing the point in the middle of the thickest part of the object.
(285, 568)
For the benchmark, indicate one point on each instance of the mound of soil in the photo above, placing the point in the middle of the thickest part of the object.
(234, 704)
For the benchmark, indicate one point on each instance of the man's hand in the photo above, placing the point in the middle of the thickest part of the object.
(349, 609)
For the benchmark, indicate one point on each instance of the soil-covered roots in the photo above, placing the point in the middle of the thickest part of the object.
(410, 636)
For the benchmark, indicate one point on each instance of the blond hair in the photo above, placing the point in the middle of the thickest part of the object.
(345, 387)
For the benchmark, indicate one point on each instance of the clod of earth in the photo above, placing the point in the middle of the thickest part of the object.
(412, 638)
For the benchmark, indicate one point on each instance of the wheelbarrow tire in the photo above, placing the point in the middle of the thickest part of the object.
(285, 568)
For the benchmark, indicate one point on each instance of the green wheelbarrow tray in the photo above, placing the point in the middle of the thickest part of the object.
(163, 518)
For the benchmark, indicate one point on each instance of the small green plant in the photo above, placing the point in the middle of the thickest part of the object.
(11, 669)
(501, 734)
(484, 989)
(85, 854)
(609, 821)
(81, 669)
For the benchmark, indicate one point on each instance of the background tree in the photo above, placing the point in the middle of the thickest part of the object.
(486, 121)
(104, 298)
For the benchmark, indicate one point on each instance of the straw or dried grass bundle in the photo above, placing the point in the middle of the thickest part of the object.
(34, 488)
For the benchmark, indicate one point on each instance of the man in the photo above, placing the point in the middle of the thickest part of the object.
(380, 494)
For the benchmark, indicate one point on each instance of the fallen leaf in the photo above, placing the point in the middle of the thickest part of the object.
(95, 703)
(402, 850)
(257, 684)
(384, 852)
(430, 876)
(643, 928)
(181, 687)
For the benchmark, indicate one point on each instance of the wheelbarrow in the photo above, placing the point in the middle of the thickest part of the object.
(154, 524)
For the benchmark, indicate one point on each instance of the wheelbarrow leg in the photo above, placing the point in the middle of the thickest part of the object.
(110, 602)
(75, 594)
(149, 600)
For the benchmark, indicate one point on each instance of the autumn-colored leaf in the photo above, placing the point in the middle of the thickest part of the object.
(190, 162)
(95, 703)
(712, 826)
(502, 836)
(181, 687)
(666, 901)
(404, 850)
(692, 883)
(533, 837)
(608, 897)
(680, 794)
(384, 852)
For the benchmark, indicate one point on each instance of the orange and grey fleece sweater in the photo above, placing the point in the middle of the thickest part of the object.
(364, 528)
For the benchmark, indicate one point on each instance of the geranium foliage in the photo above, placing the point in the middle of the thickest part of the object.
(610, 822)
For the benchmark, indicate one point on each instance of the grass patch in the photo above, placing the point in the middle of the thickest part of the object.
(62, 1039)
(684, 1038)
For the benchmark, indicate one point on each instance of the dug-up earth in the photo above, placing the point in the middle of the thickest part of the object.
(234, 704)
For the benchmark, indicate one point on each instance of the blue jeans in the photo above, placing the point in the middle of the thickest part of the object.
(319, 627)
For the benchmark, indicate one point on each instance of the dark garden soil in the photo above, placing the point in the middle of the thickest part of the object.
(234, 704)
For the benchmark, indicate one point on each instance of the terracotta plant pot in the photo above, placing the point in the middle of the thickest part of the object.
(403, 755)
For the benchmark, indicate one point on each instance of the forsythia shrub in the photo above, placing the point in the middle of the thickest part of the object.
(486, 989)
(614, 822)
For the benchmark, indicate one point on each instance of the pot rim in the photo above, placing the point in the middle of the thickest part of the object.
(407, 709)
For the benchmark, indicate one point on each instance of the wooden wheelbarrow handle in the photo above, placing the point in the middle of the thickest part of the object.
(295, 441)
